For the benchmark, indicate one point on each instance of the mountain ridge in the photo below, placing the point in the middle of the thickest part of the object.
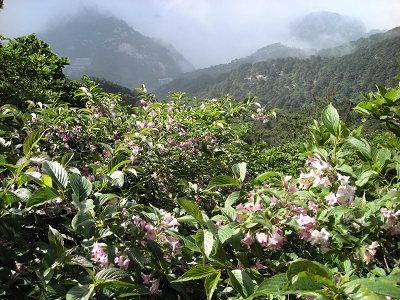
(290, 83)
(114, 50)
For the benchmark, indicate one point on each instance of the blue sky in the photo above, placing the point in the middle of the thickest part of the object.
(206, 32)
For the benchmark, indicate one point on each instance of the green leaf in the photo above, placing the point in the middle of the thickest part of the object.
(56, 241)
(81, 261)
(100, 199)
(230, 212)
(154, 248)
(66, 158)
(39, 157)
(192, 210)
(260, 178)
(361, 146)
(365, 176)
(222, 180)
(80, 292)
(395, 142)
(57, 173)
(32, 139)
(240, 171)
(330, 118)
(117, 178)
(211, 283)
(233, 198)
(112, 274)
(197, 272)
(311, 267)
(9, 197)
(271, 286)
(360, 292)
(205, 241)
(81, 186)
(82, 220)
(117, 162)
(315, 278)
(385, 285)
(224, 233)
(41, 196)
(241, 282)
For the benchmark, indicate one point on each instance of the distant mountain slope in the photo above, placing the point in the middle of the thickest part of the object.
(276, 50)
(325, 29)
(350, 47)
(106, 47)
(290, 83)
(316, 30)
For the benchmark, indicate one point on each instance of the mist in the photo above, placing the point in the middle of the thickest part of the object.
(206, 32)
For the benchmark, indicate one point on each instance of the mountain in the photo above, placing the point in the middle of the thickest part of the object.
(315, 30)
(276, 50)
(291, 83)
(106, 47)
(325, 29)
(350, 47)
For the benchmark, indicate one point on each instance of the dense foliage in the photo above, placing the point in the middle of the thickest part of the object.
(169, 201)
(29, 70)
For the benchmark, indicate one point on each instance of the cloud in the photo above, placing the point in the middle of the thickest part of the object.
(206, 32)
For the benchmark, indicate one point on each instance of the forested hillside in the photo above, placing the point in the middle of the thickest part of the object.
(290, 83)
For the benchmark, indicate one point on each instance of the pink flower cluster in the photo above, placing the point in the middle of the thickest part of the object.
(157, 232)
(392, 223)
(317, 175)
(154, 283)
(370, 252)
(322, 175)
(309, 232)
(269, 238)
(260, 115)
(101, 257)
(245, 209)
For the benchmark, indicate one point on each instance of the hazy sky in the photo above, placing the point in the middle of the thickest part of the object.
(206, 32)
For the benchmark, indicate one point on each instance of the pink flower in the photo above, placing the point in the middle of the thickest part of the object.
(313, 206)
(369, 256)
(99, 255)
(154, 285)
(332, 199)
(122, 261)
(259, 266)
(146, 278)
(239, 266)
(150, 233)
(305, 221)
(248, 240)
(273, 201)
(106, 153)
(218, 223)
(319, 237)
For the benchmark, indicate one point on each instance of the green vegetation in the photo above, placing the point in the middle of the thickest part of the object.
(290, 83)
(169, 199)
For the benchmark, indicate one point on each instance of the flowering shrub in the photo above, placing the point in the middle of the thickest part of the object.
(168, 201)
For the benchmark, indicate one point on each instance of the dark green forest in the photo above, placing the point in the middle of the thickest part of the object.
(291, 83)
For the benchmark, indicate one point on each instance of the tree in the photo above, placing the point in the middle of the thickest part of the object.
(30, 71)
